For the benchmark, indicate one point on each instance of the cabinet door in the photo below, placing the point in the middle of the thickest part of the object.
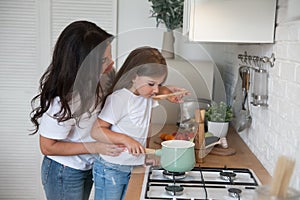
(238, 21)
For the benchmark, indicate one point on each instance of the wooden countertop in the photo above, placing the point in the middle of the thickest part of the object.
(243, 158)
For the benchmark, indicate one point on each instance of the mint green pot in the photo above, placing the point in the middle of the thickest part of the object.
(177, 155)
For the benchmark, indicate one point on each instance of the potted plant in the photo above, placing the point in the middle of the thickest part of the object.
(218, 116)
(170, 13)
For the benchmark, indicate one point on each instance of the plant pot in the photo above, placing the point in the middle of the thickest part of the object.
(219, 129)
(168, 44)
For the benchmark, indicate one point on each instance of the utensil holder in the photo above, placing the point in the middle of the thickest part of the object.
(260, 88)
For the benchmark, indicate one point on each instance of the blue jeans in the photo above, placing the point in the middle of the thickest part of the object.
(64, 183)
(110, 179)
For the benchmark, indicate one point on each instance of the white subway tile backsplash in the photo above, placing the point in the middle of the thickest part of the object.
(278, 88)
(297, 74)
(293, 33)
(286, 109)
(296, 117)
(281, 33)
(293, 93)
(288, 71)
(281, 50)
(273, 103)
(294, 52)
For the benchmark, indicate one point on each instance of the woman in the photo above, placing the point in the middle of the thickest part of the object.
(71, 91)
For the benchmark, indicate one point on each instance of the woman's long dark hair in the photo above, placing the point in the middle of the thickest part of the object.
(73, 74)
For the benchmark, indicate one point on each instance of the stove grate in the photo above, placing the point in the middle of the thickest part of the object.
(154, 180)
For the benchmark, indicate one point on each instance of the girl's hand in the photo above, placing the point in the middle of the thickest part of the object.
(133, 146)
(108, 149)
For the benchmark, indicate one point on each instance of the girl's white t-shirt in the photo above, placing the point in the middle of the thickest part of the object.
(70, 132)
(129, 114)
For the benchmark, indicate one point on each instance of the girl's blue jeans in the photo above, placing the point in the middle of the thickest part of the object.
(110, 179)
(64, 183)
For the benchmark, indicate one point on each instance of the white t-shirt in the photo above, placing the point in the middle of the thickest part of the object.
(129, 114)
(70, 132)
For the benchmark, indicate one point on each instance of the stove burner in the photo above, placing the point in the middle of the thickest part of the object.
(174, 190)
(234, 192)
(228, 176)
(174, 175)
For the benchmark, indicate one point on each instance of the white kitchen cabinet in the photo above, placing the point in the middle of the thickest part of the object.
(234, 21)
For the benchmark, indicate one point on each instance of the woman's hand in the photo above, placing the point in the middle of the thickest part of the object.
(108, 149)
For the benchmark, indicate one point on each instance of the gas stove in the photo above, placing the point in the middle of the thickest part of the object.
(200, 184)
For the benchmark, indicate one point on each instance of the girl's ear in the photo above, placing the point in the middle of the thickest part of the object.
(133, 83)
(134, 78)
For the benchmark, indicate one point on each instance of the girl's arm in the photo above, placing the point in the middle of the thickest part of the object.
(54, 147)
(101, 132)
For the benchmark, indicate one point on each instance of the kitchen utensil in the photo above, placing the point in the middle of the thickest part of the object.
(211, 139)
(222, 141)
(245, 119)
(165, 96)
(176, 155)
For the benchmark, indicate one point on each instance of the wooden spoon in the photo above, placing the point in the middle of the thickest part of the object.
(165, 96)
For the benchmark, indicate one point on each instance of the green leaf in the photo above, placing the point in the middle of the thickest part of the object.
(169, 12)
(219, 112)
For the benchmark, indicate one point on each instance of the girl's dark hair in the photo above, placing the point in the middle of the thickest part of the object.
(73, 74)
(143, 61)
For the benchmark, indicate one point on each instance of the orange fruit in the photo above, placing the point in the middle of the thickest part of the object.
(169, 137)
(163, 136)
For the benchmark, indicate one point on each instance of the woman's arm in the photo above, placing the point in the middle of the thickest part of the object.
(54, 147)
(101, 132)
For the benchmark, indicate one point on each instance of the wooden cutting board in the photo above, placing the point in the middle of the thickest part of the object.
(222, 151)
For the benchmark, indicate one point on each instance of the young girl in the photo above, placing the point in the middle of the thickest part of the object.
(125, 120)
(71, 92)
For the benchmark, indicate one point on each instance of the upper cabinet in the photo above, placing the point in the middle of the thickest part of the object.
(234, 21)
